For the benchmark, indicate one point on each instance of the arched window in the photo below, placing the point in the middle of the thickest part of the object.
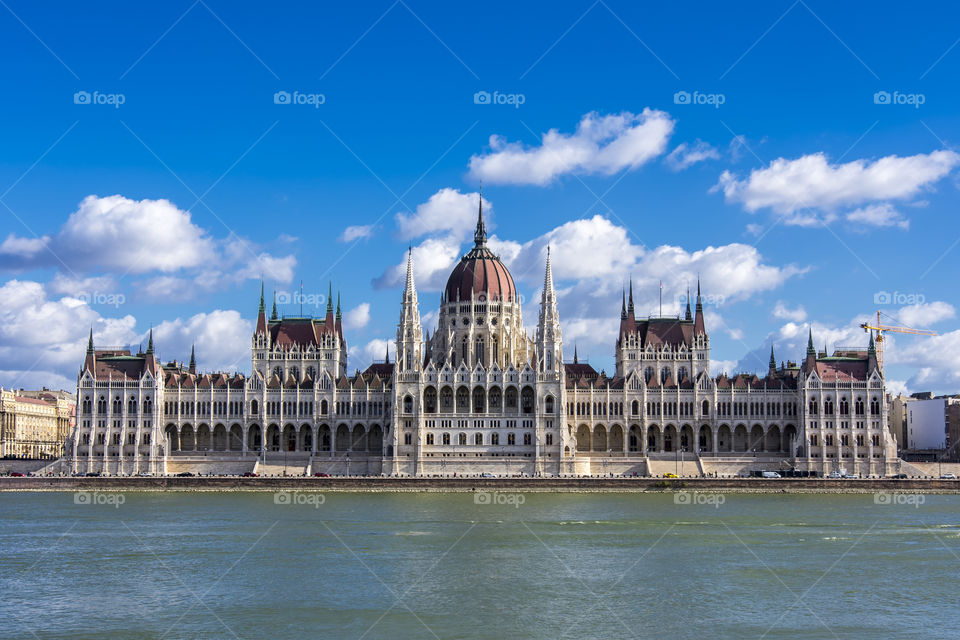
(648, 373)
(254, 407)
(681, 373)
(548, 404)
(479, 396)
(323, 406)
(494, 438)
(635, 407)
(526, 400)
(408, 404)
(461, 438)
(446, 438)
(478, 355)
(463, 400)
(478, 438)
(511, 439)
(664, 374)
(430, 400)
(706, 407)
(495, 345)
(464, 351)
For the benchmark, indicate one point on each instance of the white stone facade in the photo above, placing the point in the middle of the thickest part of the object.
(479, 395)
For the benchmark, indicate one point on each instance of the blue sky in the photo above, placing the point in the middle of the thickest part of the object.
(824, 179)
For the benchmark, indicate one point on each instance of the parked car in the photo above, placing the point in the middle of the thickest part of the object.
(321, 475)
(850, 476)
(93, 474)
(834, 475)
(185, 474)
(487, 474)
(249, 474)
(948, 476)
(771, 474)
(16, 474)
(670, 475)
(900, 476)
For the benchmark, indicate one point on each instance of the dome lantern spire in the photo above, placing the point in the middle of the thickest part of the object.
(480, 235)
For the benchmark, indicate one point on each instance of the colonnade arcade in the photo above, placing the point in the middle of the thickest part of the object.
(615, 439)
(289, 437)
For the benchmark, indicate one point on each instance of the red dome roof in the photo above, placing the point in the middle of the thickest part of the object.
(480, 274)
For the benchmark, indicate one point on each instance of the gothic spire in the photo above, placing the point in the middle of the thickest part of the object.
(688, 316)
(263, 307)
(273, 314)
(810, 350)
(149, 341)
(575, 354)
(480, 235)
(549, 295)
(773, 361)
(193, 360)
(90, 342)
(623, 304)
(630, 299)
(329, 298)
(698, 324)
(338, 305)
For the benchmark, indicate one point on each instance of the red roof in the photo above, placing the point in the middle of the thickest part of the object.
(480, 274)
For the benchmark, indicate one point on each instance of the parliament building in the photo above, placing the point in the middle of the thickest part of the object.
(478, 394)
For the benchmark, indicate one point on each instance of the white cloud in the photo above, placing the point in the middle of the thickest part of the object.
(925, 314)
(153, 238)
(782, 311)
(77, 286)
(222, 339)
(878, 215)
(446, 212)
(601, 144)
(685, 155)
(42, 340)
(433, 259)
(789, 187)
(356, 232)
(362, 356)
(358, 317)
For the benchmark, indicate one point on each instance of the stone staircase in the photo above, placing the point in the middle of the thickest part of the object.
(278, 466)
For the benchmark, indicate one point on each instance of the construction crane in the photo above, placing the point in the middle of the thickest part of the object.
(881, 328)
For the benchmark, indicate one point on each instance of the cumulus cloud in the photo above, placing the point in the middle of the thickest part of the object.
(152, 238)
(433, 259)
(356, 232)
(362, 356)
(925, 314)
(42, 339)
(600, 145)
(222, 339)
(685, 156)
(878, 215)
(783, 312)
(918, 363)
(358, 317)
(447, 212)
(811, 182)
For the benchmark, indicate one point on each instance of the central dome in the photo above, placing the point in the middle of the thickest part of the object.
(480, 274)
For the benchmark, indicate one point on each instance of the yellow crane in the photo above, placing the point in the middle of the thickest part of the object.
(881, 328)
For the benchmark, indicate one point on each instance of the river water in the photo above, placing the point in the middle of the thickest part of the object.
(392, 565)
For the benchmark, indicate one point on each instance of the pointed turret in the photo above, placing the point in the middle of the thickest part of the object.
(273, 314)
(623, 304)
(698, 325)
(480, 235)
(773, 363)
(262, 313)
(193, 360)
(872, 360)
(810, 364)
(688, 316)
(630, 299)
(149, 341)
(90, 361)
(328, 319)
(549, 351)
(90, 342)
(575, 361)
(339, 317)
(409, 353)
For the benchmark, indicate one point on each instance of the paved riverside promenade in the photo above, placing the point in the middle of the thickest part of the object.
(460, 484)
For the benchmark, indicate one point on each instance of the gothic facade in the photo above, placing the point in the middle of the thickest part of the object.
(480, 395)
